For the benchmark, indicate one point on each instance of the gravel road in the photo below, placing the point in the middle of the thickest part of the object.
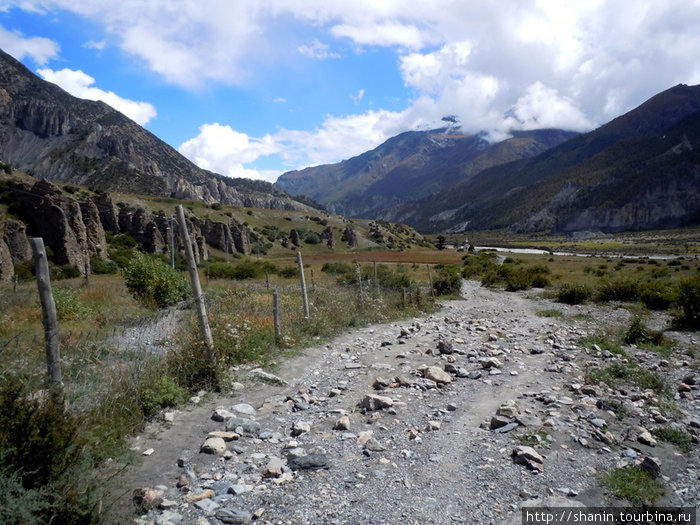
(423, 421)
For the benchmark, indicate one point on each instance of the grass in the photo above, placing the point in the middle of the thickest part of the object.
(633, 484)
(676, 436)
(604, 342)
(627, 372)
(538, 438)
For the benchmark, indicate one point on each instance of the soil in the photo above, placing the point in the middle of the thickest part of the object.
(432, 456)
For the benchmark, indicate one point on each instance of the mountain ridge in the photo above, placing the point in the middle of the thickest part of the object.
(48, 133)
(409, 166)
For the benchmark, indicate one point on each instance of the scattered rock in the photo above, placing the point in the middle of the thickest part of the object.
(309, 462)
(437, 374)
(233, 516)
(528, 456)
(373, 402)
(213, 445)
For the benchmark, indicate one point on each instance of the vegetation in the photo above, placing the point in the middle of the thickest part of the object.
(573, 293)
(448, 281)
(679, 437)
(153, 282)
(688, 300)
(632, 484)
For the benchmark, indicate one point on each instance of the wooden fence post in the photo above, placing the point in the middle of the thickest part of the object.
(376, 279)
(430, 281)
(313, 282)
(276, 310)
(307, 314)
(196, 287)
(48, 313)
(358, 275)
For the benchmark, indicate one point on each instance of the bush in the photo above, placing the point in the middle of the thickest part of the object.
(688, 302)
(624, 290)
(246, 269)
(475, 265)
(336, 268)
(448, 281)
(656, 295)
(153, 282)
(65, 271)
(289, 272)
(44, 467)
(638, 334)
(102, 267)
(69, 304)
(573, 293)
(312, 238)
(160, 393)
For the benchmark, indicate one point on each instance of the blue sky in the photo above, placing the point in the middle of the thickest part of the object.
(255, 88)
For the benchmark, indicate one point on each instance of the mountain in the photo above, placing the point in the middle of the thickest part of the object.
(410, 166)
(639, 171)
(50, 134)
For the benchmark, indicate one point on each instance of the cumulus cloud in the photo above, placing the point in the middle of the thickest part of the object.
(80, 84)
(41, 50)
(494, 65)
(382, 34)
(223, 150)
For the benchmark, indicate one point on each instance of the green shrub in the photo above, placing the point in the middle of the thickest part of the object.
(448, 281)
(102, 267)
(45, 468)
(289, 272)
(245, 269)
(573, 293)
(475, 265)
(677, 436)
(153, 282)
(160, 393)
(688, 302)
(25, 271)
(65, 271)
(655, 295)
(69, 304)
(624, 290)
(337, 268)
(312, 238)
(638, 334)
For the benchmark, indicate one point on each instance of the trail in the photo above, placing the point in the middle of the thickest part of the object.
(432, 456)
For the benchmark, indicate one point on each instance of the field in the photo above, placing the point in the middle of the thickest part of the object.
(124, 358)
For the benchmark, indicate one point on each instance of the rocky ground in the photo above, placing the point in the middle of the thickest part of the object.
(458, 417)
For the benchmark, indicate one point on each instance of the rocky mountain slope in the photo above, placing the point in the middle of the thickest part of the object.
(50, 134)
(640, 171)
(410, 166)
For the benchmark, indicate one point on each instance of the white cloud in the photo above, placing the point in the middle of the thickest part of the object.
(358, 97)
(41, 50)
(223, 150)
(79, 85)
(543, 62)
(317, 50)
(382, 34)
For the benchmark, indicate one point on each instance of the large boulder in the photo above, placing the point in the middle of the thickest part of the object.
(15, 237)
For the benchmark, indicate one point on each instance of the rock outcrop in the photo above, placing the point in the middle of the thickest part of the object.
(15, 238)
(58, 219)
(75, 231)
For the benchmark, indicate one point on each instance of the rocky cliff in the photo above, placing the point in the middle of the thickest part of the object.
(49, 134)
(74, 229)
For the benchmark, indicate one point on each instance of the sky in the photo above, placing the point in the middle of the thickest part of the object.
(255, 88)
